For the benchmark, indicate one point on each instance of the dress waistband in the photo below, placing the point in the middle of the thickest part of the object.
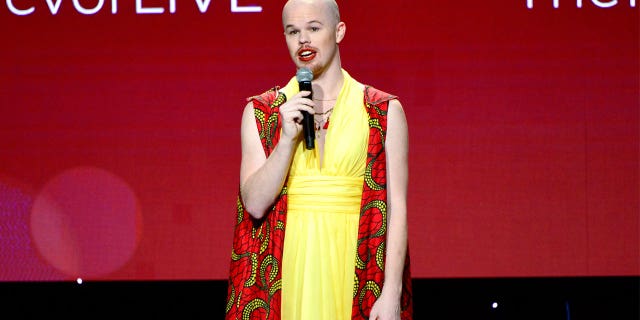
(334, 194)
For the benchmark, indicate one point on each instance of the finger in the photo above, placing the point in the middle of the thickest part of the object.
(308, 109)
(304, 94)
(304, 98)
(301, 105)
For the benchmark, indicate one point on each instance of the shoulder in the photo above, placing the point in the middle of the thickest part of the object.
(396, 112)
(395, 105)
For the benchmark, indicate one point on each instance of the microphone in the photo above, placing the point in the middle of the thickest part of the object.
(304, 76)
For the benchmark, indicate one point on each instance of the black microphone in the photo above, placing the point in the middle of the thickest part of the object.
(304, 76)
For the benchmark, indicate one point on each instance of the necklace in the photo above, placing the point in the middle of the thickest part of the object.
(324, 113)
(321, 120)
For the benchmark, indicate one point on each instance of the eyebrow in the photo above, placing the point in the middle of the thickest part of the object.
(309, 22)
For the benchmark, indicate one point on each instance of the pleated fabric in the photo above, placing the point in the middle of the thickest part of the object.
(323, 213)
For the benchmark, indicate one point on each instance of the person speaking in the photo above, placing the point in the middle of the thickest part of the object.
(321, 228)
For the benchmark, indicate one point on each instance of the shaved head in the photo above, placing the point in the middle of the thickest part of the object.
(330, 7)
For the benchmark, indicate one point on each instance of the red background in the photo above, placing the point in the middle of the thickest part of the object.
(119, 133)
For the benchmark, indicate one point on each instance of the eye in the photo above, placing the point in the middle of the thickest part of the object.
(315, 29)
(292, 32)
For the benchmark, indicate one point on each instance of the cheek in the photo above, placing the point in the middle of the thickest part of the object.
(292, 47)
(328, 41)
(328, 44)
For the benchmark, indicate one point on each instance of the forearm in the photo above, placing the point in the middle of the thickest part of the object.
(261, 188)
(396, 251)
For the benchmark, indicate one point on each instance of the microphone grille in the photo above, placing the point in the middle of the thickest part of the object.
(304, 74)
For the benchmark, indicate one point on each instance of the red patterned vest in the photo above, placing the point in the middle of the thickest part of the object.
(255, 273)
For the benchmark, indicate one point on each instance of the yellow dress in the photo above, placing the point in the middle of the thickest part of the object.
(318, 266)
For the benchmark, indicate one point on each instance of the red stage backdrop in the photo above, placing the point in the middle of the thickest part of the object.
(120, 137)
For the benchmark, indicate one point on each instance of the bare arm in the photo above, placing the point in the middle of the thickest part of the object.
(388, 304)
(262, 178)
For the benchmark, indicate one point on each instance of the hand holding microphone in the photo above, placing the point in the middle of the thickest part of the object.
(304, 77)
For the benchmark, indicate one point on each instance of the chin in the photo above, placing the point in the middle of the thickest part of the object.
(312, 66)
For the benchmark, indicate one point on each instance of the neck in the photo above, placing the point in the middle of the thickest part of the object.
(328, 85)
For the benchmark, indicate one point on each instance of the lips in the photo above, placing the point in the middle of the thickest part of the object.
(306, 54)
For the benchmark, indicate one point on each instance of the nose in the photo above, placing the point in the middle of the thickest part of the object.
(303, 37)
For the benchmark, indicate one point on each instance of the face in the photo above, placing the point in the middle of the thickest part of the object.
(312, 34)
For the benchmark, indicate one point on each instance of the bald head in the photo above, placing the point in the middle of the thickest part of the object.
(329, 7)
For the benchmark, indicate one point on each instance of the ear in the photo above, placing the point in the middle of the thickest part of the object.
(341, 28)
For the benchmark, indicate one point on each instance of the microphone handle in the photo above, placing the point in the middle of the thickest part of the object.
(307, 119)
